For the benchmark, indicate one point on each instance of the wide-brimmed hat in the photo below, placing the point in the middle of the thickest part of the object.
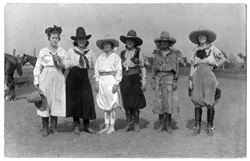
(39, 99)
(193, 36)
(80, 33)
(107, 39)
(132, 35)
(165, 36)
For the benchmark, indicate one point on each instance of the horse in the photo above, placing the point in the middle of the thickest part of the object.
(10, 65)
(27, 58)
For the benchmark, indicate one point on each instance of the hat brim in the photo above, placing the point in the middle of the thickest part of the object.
(42, 105)
(38, 99)
(75, 37)
(193, 36)
(101, 41)
(138, 41)
(171, 40)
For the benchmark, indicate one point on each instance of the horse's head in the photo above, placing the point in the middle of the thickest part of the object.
(24, 59)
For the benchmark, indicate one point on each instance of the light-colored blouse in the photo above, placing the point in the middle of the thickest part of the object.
(45, 59)
(72, 59)
(128, 63)
(112, 63)
(213, 54)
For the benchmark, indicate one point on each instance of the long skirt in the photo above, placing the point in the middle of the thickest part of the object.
(131, 92)
(205, 85)
(164, 101)
(52, 84)
(79, 96)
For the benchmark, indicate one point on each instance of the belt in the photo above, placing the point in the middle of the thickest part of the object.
(113, 73)
(131, 71)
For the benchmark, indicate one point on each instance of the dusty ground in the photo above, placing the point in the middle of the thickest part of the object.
(23, 136)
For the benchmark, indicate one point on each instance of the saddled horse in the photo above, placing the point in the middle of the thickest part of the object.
(10, 65)
(27, 58)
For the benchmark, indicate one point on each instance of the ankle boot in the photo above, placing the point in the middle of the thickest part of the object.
(136, 118)
(45, 123)
(129, 120)
(87, 128)
(197, 127)
(162, 124)
(76, 125)
(53, 120)
(168, 121)
(210, 120)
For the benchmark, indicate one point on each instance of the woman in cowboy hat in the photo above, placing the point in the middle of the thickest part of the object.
(49, 78)
(134, 79)
(108, 75)
(79, 96)
(202, 81)
(165, 75)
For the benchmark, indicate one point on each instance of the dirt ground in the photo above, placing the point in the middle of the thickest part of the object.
(22, 130)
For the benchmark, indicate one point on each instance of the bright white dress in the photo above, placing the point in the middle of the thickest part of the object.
(106, 99)
(51, 82)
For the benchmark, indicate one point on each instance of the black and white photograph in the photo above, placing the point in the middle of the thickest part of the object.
(124, 80)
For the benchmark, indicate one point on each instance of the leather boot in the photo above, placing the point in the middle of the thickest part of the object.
(168, 121)
(197, 127)
(136, 119)
(210, 120)
(53, 120)
(45, 123)
(76, 125)
(129, 120)
(162, 124)
(87, 128)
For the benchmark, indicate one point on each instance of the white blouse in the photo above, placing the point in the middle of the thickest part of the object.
(128, 55)
(108, 64)
(45, 59)
(72, 59)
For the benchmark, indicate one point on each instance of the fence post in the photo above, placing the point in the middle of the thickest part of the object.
(14, 52)
(34, 52)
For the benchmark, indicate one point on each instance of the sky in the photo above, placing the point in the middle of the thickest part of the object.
(25, 24)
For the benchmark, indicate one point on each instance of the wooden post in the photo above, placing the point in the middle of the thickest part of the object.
(14, 52)
(34, 52)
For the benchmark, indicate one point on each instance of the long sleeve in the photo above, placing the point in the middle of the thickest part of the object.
(176, 76)
(38, 68)
(96, 70)
(66, 60)
(93, 59)
(118, 76)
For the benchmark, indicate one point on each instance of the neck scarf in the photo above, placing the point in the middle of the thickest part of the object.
(82, 56)
(55, 59)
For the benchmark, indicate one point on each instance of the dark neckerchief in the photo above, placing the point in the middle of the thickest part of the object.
(54, 59)
(82, 56)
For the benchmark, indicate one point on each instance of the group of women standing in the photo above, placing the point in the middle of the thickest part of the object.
(120, 80)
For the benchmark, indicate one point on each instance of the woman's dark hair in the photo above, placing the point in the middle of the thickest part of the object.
(76, 44)
(53, 30)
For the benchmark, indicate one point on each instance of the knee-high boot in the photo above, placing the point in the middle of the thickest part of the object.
(210, 120)
(162, 123)
(53, 120)
(198, 115)
(128, 120)
(76, 125)
(45, 123)
(136, 112)
(168, 121)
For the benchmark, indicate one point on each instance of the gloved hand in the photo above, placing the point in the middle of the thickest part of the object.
(115, 88)
(143, 87)
(37, 86)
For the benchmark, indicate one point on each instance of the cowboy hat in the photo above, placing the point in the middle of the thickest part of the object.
(80, 33)
(107, 39)
(39, 99)
(165, 36)
(132, 35)
(193, 36)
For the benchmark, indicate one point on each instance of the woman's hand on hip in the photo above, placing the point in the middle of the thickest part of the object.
(115, 88)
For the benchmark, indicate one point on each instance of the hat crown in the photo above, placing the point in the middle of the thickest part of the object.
(201, 28)
(165, 34)
(80, 32)
(132, 33)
